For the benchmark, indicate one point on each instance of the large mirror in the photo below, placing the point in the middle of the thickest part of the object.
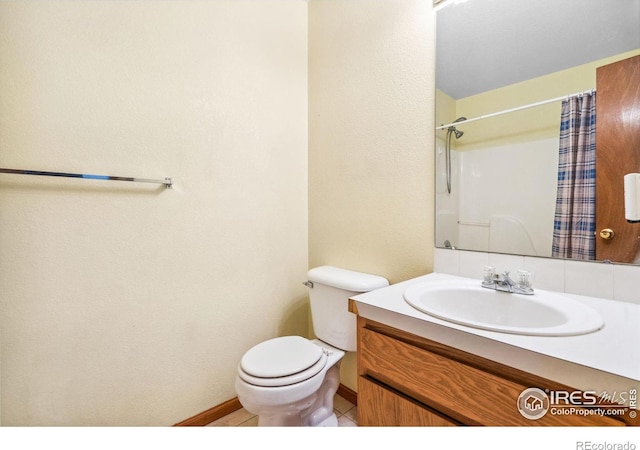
(503, 68)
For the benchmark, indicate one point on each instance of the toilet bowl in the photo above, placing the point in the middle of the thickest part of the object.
(291, 380)
(293, 395)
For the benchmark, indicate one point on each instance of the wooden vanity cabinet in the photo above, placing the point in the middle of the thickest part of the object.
(407, 380)
(380, 405)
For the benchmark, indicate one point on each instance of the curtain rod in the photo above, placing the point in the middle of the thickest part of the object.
(167, 181)
(518, 108)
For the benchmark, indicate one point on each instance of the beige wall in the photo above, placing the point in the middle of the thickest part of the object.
(371, 137)
(127, 304)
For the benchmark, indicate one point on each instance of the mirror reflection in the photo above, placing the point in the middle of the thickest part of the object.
(508, 180)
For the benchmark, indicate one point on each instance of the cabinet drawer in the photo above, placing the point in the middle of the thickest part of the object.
(465, 393)
(379, 406)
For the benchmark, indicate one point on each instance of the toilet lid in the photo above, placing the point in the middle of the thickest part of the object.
(297, 377)
(281, 357)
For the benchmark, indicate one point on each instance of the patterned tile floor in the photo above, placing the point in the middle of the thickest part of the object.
(345, 410)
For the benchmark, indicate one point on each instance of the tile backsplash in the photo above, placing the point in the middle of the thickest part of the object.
(595, 279)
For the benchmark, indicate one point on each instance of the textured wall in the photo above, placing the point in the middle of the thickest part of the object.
(371, 138)
(131, 304)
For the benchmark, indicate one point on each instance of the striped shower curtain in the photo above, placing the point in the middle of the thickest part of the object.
(575, 217)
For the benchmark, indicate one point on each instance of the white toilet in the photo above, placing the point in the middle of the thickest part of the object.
(291, 380)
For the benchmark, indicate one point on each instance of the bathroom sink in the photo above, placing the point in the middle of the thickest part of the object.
(544, 313)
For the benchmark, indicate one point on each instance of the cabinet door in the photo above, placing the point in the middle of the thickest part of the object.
(466, 392)
(378, 406)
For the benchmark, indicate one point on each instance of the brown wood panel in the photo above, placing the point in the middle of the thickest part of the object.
(465, 393)
(348, 394)
(469, 359)
(617, 153)
(387, 408)
(211, 414)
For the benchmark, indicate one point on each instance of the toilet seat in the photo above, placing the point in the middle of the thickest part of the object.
(282, 361)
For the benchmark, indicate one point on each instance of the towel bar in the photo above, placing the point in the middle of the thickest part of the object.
(167, 181)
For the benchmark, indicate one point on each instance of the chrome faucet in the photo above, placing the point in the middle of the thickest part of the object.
(503, 282)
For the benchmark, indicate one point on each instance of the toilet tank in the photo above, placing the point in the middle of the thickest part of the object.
(329, 297)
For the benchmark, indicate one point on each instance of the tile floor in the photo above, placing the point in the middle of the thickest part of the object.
(345, 410)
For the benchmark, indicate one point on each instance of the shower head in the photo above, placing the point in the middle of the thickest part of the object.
(454, 130)
(457, 132)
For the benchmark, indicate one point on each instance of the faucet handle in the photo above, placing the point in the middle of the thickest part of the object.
(525, 278)
(488, 274)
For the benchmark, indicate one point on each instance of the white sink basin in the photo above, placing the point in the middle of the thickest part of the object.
(544, 313)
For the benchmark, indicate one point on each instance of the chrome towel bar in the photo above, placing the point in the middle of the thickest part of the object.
(167, 181)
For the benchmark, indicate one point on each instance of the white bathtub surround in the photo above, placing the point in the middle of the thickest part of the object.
(595, 279)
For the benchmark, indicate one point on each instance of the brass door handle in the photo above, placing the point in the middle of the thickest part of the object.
(607, 233)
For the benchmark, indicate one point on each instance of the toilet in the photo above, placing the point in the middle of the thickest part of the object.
(291, 380)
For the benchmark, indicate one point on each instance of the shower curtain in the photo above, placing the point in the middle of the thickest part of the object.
(575, 216)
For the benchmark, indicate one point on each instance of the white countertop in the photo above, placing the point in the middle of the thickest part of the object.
(605, 360)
